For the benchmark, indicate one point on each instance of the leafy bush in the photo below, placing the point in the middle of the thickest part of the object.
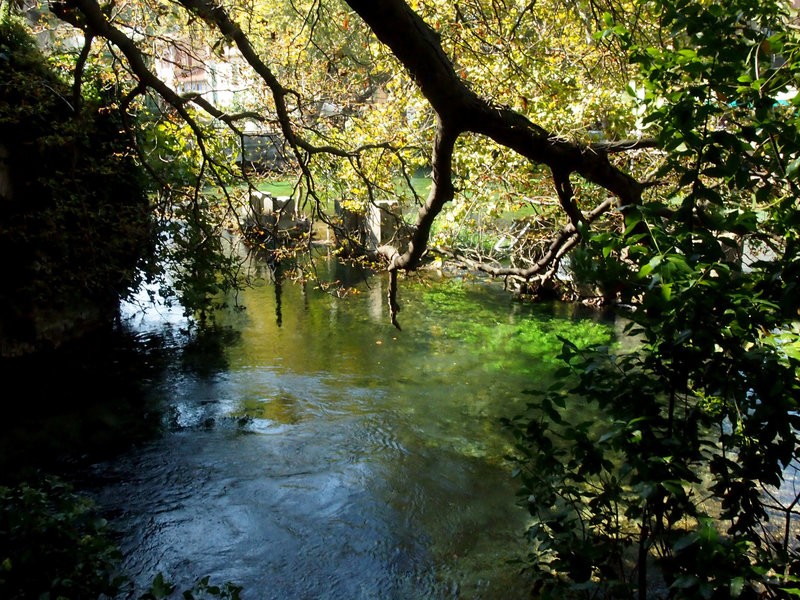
(672, 491)
(54, 545)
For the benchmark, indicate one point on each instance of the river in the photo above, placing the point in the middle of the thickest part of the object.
(307, 449)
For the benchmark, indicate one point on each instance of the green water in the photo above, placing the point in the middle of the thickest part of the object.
(314, 451)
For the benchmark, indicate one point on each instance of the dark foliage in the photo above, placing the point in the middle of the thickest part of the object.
(75, 223)
(671, 479)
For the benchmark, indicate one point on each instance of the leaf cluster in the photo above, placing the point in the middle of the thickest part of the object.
(77, 220)
(54, 545)
(670, 490)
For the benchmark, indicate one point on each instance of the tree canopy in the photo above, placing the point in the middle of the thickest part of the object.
(534, 113)
(651, 144)
(484, 138)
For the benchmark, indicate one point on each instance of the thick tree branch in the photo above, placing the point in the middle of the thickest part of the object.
(80, 64)
(460, 110)
(419, 49)
(441, 192)
(566, 198)
(90, 16)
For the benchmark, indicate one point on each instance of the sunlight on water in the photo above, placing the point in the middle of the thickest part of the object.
(317, 452)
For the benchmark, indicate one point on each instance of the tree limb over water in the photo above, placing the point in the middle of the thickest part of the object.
(458, 109)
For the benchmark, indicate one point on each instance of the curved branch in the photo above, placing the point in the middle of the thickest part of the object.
(561, 243)
(441, 192)
(459, 110)
(566, 198)
(624, 145)
(217, 16)
(80, 64)
(128, 127)
(91, 17)
(88, 15)
(419, 49)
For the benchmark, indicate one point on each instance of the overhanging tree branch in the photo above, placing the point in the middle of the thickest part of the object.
(419, 49)
(458, 110)
(80, 64)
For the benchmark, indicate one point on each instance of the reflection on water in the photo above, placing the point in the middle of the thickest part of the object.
(317, 452)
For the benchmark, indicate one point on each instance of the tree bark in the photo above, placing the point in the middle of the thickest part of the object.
(419, 49)
(459, 110)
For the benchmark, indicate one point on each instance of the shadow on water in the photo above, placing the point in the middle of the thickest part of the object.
(204, 351)
(90, 399)
(307, 449)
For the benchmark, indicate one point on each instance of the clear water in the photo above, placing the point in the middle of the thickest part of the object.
(313, 451)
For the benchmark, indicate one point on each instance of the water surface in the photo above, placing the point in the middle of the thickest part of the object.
(314, 451)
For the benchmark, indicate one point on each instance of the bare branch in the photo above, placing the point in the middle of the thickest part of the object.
(623, 145)
(561, 243)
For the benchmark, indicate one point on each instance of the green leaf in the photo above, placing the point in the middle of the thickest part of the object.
(685, 542)
(791, 170)
(160, 588)
(684, 582)
(648, 268)
(673, 487)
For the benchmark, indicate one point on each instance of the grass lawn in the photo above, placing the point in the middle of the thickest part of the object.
(277, 188)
